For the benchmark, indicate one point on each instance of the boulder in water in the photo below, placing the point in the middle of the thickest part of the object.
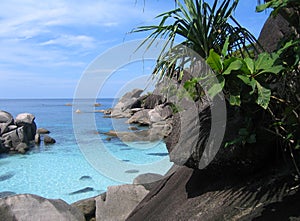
(42, 131)
(49, 140)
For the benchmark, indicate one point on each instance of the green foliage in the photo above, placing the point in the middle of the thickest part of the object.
(265, 88)
(244, 136)
(202, 27)
(284, 107)
(289, 9)
(244, 77)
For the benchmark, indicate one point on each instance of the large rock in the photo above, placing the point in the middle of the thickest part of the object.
(153, 100)
(148, 180)
(87, 207)
(141, 117)
(24, 118)
(119, 202)
(135, 93)
(160, 113)
(273, 31)
(128, 101)
(119, 113)
(190, 194)
(131, 104)
(27, 121)
(164, 128)
(6, 119)
(29, 207)
(13, 138)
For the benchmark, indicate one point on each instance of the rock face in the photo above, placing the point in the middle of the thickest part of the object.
(127, 102)
(27, 121)
(153, 100)
(28, 207)
(119, 202)
(190, 194)
(87, 207)
(16, 135)
(135, 107)
(141, 117)
(273, 31)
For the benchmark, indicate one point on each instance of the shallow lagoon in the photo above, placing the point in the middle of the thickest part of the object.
(61, 170)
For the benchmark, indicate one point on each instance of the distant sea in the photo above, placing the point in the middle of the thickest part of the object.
(60, 171)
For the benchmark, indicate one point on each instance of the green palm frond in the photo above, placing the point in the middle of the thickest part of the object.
(202, 27)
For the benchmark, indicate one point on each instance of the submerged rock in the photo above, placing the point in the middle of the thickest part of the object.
(6, 176)
(85, 178)
(84, 190)
(6, 194)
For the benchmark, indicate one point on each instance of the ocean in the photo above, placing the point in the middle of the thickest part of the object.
(63, 170)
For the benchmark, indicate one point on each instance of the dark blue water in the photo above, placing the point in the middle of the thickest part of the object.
(59, 170)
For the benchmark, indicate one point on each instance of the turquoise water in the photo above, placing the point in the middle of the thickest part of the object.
(59, 170)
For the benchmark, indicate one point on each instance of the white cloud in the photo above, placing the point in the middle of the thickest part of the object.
(59, 36)
(72, 40)
(30, 18)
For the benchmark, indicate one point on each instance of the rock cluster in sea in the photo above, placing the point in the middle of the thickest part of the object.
(17, 135)
(145, 110)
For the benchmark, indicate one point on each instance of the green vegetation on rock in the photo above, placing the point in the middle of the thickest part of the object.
(264, 86)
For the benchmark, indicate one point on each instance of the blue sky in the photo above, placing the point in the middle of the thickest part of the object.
(47, 45)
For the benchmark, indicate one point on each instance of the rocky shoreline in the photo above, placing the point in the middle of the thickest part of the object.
(225, 190)
(22, 132)
(142, 110)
